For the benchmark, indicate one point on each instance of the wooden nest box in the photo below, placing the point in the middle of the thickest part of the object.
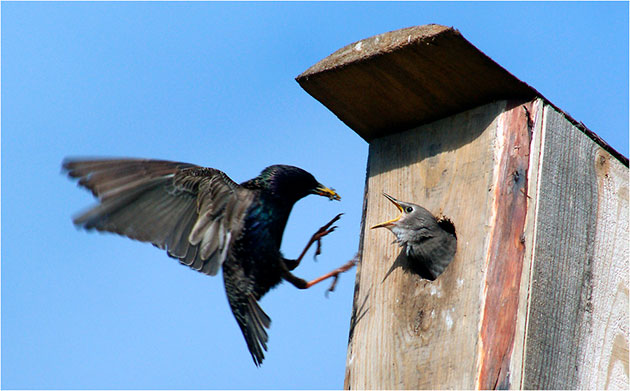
(537, 294)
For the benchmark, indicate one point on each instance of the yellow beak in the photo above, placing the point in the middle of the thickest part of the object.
(391, 222)
(326, 192)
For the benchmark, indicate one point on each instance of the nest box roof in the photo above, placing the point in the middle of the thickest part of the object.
(401, 79)
(405, 78)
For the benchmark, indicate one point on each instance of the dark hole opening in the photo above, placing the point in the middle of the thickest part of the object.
(447, 225)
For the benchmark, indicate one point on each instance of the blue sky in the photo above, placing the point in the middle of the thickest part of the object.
(213, 84)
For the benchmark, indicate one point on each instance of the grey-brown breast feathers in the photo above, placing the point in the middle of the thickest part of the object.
(192, 212)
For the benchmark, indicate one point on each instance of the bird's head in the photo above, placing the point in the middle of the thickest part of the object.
(292, 183)
(411, 219)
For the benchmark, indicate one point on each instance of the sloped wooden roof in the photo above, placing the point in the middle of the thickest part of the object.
(405, 78)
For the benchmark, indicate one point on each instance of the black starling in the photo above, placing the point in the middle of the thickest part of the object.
(426, 240)
(207, 221)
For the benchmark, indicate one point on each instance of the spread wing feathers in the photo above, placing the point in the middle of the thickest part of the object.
(191, 211)
(251, 319)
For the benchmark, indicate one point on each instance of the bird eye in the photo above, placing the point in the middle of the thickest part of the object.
(409, 209)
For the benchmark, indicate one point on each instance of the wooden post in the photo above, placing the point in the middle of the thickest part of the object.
(537, 295)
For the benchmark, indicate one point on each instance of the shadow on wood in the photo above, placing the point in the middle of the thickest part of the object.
(435, 142)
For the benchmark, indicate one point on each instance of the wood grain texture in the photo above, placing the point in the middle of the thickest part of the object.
(537, 296)
(606, 363)
(577, 324)
(518, 354)
(407, 332)
(506, 248)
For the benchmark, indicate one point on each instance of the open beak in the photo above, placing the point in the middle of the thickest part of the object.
(326, 192)
(391, 222)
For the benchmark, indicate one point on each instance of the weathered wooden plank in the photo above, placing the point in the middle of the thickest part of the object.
(500, 307)
(401, 79)
(518, 354)
(577, 323)
(407, 332)
(605, 365)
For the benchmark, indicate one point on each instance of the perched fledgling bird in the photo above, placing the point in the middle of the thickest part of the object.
(424, 238)
(207, 221)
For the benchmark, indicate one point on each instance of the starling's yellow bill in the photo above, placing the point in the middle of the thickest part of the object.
(326, 192)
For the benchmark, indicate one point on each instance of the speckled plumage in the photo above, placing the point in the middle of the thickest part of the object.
(207, 221)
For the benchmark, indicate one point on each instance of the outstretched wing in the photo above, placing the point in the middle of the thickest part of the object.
(192, 212)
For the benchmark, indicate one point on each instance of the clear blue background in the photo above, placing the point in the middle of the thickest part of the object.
(213, 84)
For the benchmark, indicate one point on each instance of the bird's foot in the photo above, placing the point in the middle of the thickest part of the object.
(316, 238)
(323, 231)
(338, 271)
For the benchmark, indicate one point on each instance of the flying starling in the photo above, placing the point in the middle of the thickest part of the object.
(427, 241)
(207, 221)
